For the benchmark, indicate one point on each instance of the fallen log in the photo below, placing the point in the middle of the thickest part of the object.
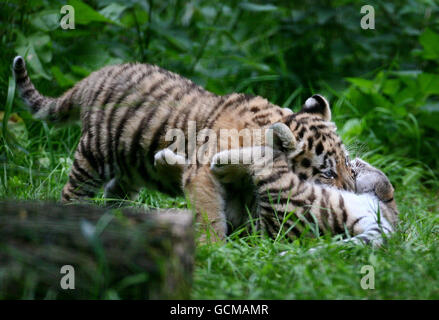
(54, 251)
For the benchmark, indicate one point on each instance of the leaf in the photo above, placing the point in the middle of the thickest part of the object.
(366, 85)
(64, 80)
(430, 41)
(12, 126)
(429, 83)
(46, 20)
(430, 116)
(113, 11)
(8, 107)
(81, 71)
(352, 128)
(42, 45)
(33, 61)
(391, 86)
(257, 7)
(84, 14)
(179, 41)
(254, 65)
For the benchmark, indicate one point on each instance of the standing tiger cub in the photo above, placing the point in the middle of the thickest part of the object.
(127, 111)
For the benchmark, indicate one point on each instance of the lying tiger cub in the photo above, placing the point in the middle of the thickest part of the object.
(128, 110)
(275, 192)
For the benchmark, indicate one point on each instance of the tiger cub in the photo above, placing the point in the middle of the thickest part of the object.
(127, 111)
(286, 203)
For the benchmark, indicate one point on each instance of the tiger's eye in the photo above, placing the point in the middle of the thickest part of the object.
(329, 174)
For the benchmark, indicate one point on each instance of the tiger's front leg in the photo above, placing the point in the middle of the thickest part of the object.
(204, 193)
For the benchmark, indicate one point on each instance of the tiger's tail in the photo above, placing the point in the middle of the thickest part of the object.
(60, 109)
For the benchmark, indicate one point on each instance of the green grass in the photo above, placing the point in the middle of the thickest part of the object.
(253, 267)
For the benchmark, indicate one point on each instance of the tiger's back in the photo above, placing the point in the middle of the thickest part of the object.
(125, 111)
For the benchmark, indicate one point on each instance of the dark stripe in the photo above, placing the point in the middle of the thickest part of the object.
(124, 166)
(105, 78)
(376, 230)
(215, 108)
(65, 196)
(156, 86)
(21, 78)
(85, 151)
(79, 190)
(185, 124)
(166, 93)
(319, 148)
(127, 91)
(364, 239)
(110, 121)
(189, 174)
(324, 210)
(342, 208)
(290, 119)
(98, 123)
(267, 224)
(119, 154)
(338, 229)
(185, 109)
(77, 177)
(26, 94)
(66, 103)
(135, 141)
(270, 179)
(81, 171)
(273, 191)
(355, 222)
(37, 103)
(158, 134)
(238, 100)
(295, 232)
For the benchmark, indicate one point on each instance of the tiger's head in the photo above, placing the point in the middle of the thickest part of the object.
(314, 150)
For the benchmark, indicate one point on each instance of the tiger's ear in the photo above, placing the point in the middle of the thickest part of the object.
(317, 105)
(279, 136)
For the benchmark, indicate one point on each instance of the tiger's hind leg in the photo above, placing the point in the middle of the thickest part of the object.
(84, 180)
(169, 165)
(117, 190)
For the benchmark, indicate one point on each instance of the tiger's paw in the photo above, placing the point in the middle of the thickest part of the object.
(166, 158)
(231, 165)
(371, 180)
(226, 165)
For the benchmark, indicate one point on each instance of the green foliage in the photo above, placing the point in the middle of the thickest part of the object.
(397, 114)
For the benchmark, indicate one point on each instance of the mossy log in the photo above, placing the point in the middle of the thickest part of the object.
(115, 253)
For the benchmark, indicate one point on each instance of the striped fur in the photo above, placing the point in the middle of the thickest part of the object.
(287, 205)
(126, 111)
